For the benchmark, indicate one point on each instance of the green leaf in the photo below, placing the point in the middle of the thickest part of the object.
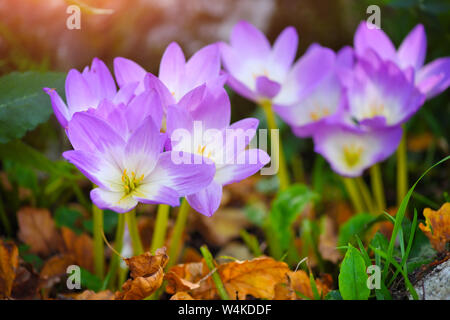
(356, 225)
(353, 276)
(23, 103)
(286, 208)
(90, 281)
(68, 218)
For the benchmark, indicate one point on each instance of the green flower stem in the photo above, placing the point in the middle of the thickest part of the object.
(118, 244)
(283, 174)
(159, 233)
(353, 192)
(130, 218)
(402, 170)
(215, 276)
(367, 197)
(178, 230)
(99, 249)
(377, 187)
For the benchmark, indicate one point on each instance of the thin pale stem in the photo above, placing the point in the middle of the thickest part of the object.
(377, 187)
(159, 233)
(130, 218)
(99, 249)
(215, 276)
(367, 197)
(178, 230)
(353, 192)
(402, 170)
(283, 173)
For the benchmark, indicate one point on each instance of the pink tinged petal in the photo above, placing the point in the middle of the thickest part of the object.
(100, 80)
(285, 48)
(191, 100)
(146, 104)
(307, 73)
(350, 151)
(59, 107)
(374, 39)
(125, 93)
(172, 67)
(247, 163)
(413, 49)
(249, 41)
(112, 200)
(78, 93)
(434, 77)
(184, 178)
(88, 163)
(203, 66)
(267, 88)
(89, 133)
(206, 201)
(214, 111)
(128, 71)
(143, 148)
(152, 82)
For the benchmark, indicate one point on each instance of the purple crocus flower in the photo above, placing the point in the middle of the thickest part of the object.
(257, 70)
(380, 93)
(317, 92)
(132, 171)
(204, 128)
(431, 79)
(350, 150)
(86, 90)
(177, 77)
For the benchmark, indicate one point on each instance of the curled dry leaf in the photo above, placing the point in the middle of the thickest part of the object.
(437, 227)
(37, 229)
(9, 262)
(298, 284)
(256, 277)
(79, 247)
(181, 296)
(147, 273)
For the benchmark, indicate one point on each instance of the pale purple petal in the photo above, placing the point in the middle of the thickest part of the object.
(249, 41)
(128, 71)
(434, 77)
(203, 66)
(89, 133)
(374, 39)
(59, 107)
(184, 178)
(172, 67)
(413, 49)
(206, 201)
(285, 48)
(267, 88)
(78, 94)
(247, 163)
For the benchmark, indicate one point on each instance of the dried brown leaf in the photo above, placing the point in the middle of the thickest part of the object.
(147, 273)
(437, 227)
(9, 262)
(37, 229)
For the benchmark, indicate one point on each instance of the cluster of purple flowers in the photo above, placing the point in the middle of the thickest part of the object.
(352, 103)
(122, 139)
